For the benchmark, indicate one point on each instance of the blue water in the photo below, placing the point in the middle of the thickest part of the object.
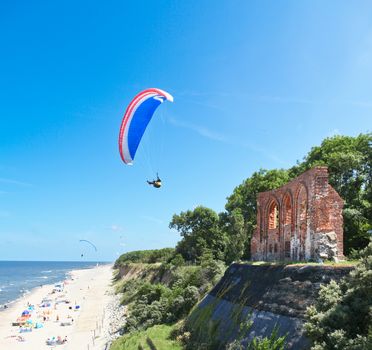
(19, 277)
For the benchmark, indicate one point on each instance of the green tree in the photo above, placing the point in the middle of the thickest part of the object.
(349, 162)
(200, 232)
(243, 201)
(233, 225)
(177, 260)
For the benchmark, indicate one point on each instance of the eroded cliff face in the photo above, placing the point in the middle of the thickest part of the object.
(147, 272)
(269, 296)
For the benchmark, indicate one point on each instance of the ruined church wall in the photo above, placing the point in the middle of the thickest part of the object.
(301, 220)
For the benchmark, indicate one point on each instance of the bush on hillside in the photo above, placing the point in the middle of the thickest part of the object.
(273, 342)
(145, 257)
(342, 315)
(151, 304)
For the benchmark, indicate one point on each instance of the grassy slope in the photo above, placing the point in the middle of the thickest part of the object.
(159, 335)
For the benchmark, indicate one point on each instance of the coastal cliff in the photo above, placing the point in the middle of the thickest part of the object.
(153, 273)
(267, 295)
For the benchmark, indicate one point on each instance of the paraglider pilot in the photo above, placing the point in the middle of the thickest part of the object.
(156, 183)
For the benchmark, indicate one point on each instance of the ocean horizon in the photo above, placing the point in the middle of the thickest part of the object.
(18, 278)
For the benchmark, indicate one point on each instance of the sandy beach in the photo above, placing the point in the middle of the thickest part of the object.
(80, 306)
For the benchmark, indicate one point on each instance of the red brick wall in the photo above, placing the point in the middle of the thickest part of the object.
(309, 209)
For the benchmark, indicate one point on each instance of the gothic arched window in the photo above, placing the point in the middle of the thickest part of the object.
(273, 215)
(287, 208)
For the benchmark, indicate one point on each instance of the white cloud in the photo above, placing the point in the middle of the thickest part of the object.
(14, 182)
(116, 228)
(152, 219)
(210, 134)
(201, 130)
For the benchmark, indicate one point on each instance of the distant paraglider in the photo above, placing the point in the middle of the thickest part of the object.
(89, 243)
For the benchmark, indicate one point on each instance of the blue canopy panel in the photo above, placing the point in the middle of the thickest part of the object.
(140, 120)
(136, 119)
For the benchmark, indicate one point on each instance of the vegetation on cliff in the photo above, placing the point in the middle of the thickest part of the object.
(144, 256)
(168, 293)
(160, 298)
(157, 337)
(341, 317)
(172, 281)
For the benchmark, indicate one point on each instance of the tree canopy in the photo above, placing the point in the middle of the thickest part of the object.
(227, 235)
(349, 162)
(243, 200)
(200, 231)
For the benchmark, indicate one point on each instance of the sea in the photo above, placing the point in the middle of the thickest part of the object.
(18, 278)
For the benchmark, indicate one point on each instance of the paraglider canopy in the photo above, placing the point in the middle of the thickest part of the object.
(88, 242)
(136, 118)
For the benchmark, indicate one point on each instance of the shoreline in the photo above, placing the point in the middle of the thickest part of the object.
(67, 275)
(80, 305)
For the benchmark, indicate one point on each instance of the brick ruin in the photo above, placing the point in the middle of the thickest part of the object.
(301, 220)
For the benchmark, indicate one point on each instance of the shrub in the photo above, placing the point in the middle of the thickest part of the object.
(145, 256)
(273, 342)
(177, 260)
(342, 317)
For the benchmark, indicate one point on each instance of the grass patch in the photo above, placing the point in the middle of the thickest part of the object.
(159, 337)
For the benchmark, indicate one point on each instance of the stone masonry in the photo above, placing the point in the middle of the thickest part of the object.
(301, 220)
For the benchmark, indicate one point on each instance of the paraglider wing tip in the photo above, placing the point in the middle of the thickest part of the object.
(170, 98)
(127, 161)
(165, 94)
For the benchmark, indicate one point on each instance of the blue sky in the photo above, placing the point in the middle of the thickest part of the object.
(256, 84)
